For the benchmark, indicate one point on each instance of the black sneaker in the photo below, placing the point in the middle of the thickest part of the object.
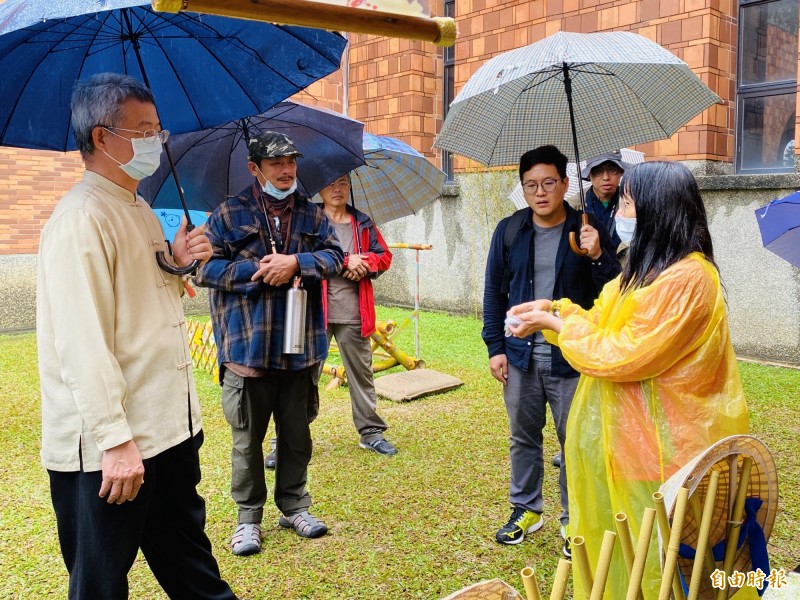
(521, 523)
(381, 446)
(567, 549)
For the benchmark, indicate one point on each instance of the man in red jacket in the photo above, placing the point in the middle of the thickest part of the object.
(350, 308)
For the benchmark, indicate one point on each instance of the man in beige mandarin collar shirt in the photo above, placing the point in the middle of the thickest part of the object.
(121, 426)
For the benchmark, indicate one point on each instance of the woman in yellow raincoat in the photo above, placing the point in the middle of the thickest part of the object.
(659, 379)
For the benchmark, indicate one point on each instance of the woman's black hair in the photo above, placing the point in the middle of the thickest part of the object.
(670, 221)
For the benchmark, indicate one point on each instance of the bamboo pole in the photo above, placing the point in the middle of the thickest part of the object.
(562, 578)
(337, 373)
(664, 527)
(438, 30)
(406, 246)
(625, 540)
(669, 575)
(735, 523)
(385, 327)
(642, 548)
(384, 365)
(694, 504)
(530, 583)
(603, 565)
(395, 352)
(702, 537)
(582, 563)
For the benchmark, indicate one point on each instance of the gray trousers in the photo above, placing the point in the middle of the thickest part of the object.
(357, 360)
(248, 402)
(527, 395)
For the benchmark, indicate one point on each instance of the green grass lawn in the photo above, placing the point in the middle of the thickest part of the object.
(418, 525)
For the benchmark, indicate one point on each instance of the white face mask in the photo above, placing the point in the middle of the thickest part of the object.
(145, 161)
(270, 189)
(626, 227)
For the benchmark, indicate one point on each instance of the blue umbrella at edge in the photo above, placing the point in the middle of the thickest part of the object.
(779, 223)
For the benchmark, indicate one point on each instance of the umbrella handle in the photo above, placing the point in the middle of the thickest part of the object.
(172, 269)
(572, 239)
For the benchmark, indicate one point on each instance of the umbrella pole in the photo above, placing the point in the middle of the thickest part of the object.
(160, 258)
(584, 217)
(438, 30)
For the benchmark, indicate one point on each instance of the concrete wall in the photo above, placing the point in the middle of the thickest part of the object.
(18, 294)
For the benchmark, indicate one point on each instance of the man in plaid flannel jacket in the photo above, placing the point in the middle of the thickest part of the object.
(262, 240)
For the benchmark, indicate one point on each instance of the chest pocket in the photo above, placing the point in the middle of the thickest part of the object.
(245, 242)
(310, 242)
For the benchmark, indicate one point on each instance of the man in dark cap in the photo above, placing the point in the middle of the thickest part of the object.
(604, 172)
(265, 239)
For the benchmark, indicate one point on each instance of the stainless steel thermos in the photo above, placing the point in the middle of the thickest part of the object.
(294, 324)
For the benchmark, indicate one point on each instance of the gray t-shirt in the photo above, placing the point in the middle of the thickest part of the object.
(545, 249)
(343, 293)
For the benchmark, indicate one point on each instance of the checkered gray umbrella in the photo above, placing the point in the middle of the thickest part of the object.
(396, 181)
(626, 90)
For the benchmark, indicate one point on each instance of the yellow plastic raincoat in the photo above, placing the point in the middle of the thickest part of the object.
(659, 384)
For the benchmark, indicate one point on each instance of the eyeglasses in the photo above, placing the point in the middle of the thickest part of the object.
(339, 184)
(548, 185)
(611, 170)
(150, 136)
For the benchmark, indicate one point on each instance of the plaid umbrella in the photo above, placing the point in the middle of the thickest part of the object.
(621, 88)
(397, 181)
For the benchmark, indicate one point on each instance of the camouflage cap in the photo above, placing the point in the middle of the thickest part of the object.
(271, 144)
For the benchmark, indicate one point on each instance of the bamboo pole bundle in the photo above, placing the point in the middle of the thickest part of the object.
(439, 30)
(670, 576)
(562, 578)
(642, 548)
(702, 538)
(603, 565)
(582, 563)
(530, 583)
(735, 523)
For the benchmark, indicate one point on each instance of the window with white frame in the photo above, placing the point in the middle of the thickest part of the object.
(766, 86)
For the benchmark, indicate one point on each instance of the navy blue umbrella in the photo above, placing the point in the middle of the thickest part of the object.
(779, 222)
(204, 70)
(213, 163)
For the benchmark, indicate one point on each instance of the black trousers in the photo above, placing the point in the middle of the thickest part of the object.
(99, 541)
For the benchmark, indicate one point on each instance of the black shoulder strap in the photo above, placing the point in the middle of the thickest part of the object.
(512, 229)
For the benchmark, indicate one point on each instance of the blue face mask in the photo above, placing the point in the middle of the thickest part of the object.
(270, 189)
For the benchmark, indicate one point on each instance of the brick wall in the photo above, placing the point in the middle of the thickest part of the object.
(396, 88)
(700, 32)
(32, 181)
